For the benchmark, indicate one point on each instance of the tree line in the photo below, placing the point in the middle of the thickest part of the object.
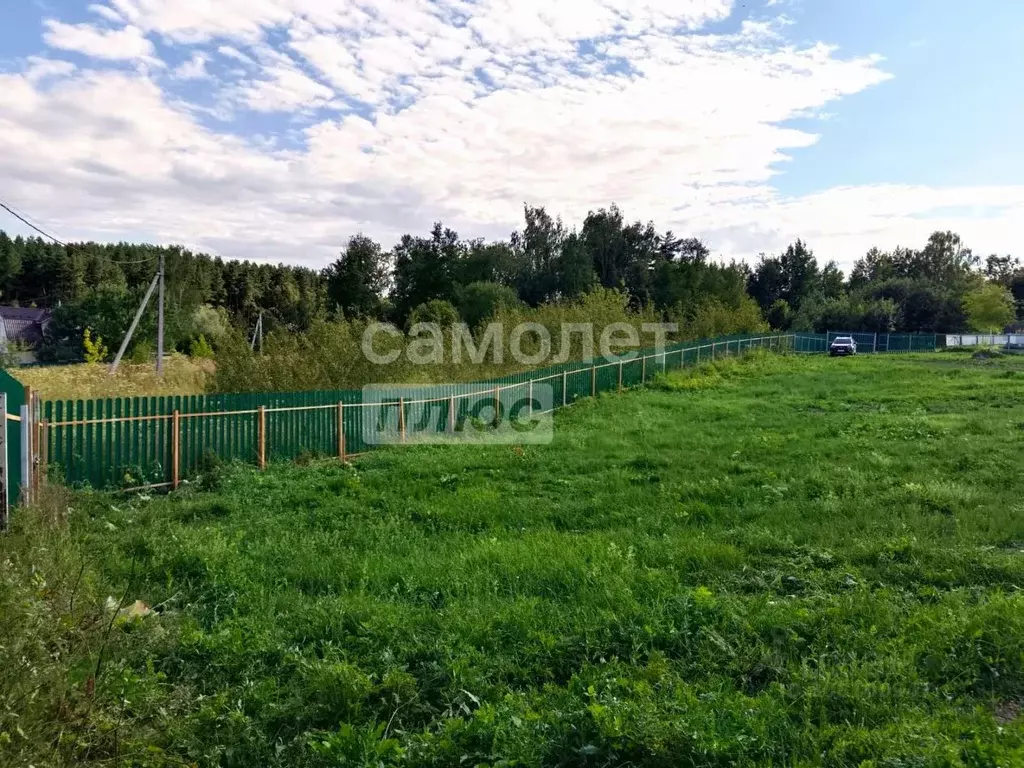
(942, 286)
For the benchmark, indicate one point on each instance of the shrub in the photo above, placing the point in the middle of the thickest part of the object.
(95, 350)
(437, 311)
(480, 301)
(200, 348)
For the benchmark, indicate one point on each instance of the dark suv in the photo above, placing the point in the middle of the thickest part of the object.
(842, 346)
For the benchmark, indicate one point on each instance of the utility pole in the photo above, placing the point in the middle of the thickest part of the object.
(160, 322)
(135, 322)
(257, 334)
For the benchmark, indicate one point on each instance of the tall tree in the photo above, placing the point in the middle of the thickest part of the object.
(425, 269)
(357, 281)
(989, 308)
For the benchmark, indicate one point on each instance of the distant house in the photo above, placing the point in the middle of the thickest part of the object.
(22, 330)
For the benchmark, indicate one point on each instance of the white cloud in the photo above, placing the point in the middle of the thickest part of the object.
(125, 43)
(193, 69)
(233, 53)
(674, 124)
(107, 13)
(284, 87)
(40, 68)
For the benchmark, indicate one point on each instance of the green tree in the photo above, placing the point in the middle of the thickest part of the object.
(425, 269)
(780, 315)
(989, 308)
(831, 281)
(200, 348)
(356, 282)
(480, 301)
(437, 311)
(94, 349)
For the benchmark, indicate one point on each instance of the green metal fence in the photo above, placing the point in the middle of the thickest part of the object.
(868, 343)
(157, 441)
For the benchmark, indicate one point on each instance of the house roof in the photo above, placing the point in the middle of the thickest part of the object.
(24, 324)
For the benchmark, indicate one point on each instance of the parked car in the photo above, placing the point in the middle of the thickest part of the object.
(842, 346)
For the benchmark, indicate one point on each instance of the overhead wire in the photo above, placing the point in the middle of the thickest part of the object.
(24, 220)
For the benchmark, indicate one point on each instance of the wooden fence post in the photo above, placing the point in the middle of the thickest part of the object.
(341, 430)
(25, 491)
(44, 452)
(5, 477)
(28, 435)
(261, 437)
(593, 381)
(401, 417)
(175, 449)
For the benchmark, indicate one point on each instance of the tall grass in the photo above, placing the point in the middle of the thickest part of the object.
(761, 562)
(83, 381)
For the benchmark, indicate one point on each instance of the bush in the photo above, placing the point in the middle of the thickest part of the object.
(95, 349)
(437, 311)
(480, 301)
(713, 317)
(200, 348)
(142, 352)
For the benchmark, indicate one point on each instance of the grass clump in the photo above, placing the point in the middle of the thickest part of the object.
(810, 562)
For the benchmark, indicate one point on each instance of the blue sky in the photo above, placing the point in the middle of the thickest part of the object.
(952, 114)
(276, 129)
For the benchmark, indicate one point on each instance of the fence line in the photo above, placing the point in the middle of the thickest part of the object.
(155, 442)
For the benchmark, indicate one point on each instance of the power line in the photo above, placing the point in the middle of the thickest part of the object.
(21, 218)
(25, 219)
(146, 260)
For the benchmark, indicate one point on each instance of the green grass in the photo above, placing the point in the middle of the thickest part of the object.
(773, 561)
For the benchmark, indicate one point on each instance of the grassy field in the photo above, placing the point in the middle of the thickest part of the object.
(82, 381)
(768, 562)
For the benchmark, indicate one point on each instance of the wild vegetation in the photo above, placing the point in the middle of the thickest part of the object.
(761, 562)
(183, 375)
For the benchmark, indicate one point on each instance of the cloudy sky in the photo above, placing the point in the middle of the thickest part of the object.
(275, 129)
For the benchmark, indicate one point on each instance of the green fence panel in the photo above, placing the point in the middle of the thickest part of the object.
(15, 392)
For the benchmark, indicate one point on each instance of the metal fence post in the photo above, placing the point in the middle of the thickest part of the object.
(593, 381)
(451, 414)
(565, 379)
(401, 417)
(620, 375)
(643, 369)
(529, 405)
